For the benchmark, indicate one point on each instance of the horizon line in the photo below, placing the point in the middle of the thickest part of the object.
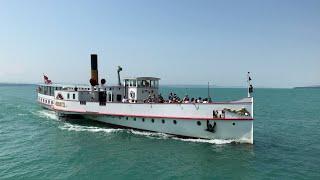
(174, 85)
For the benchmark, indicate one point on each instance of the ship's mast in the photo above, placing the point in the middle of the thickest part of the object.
(119, 79)
(250, 87)
(209, 97)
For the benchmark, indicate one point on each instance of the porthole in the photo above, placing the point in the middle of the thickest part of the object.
(142, 119)
(234, 124)
(127, 118)
(174, 122)
(198, 123)
(163, 121)
(152, 120)
(134, 119)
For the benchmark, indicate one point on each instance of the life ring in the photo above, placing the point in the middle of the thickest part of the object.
(132, 94)
(59, 96)
(210, 127)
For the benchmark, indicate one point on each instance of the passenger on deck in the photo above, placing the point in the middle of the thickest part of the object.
(153, 98)
(170, 98)
(160, 98)
(205, 100)
(192, 100)
(175, 98)
(186, 99)
(149, 98)
(125, 100)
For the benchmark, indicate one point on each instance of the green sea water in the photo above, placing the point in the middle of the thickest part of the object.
(36, 144)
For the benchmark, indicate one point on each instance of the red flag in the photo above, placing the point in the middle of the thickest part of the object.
(46, 80)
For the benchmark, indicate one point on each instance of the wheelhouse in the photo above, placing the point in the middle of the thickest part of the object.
(48, 89)
(141, 89)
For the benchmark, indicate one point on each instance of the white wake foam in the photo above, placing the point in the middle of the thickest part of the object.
(22, 114)
(47, 114)
(150, 134)
(80, 128)
(210, 141)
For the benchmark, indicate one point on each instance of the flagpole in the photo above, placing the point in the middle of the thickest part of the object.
(248, 81)
(250, 87)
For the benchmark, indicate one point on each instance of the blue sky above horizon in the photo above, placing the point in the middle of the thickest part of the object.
(180, 41)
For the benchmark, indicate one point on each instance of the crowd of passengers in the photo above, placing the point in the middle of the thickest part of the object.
(173, 98)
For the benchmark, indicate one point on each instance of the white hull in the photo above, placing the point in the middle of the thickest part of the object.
(191, 119)
(237, 130)
(46, 101)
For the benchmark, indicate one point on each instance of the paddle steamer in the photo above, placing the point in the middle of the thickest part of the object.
(136, 103)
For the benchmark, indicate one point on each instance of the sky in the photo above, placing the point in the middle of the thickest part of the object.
(180, 41)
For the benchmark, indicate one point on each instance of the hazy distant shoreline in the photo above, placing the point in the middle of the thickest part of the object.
(307, 87)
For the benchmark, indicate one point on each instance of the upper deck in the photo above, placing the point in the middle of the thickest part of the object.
(49, 89)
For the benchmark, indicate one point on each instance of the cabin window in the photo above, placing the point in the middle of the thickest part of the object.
(110, 96)
(198, 123)
(74, 96)
(49, 91)
(119, 97)
(142, 119)
(68, 96)
(174, 122)
(163, 121)
(152, 120)
(146, 83)
(45, 90)
(134, 119)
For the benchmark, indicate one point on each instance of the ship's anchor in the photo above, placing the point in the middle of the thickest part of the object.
(210, 127)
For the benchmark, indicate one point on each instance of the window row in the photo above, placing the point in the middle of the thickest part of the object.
(45, 101)
(144, 119)
(73, 96)
(48, 90)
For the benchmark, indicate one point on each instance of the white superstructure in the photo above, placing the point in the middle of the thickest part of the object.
(136, 103)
